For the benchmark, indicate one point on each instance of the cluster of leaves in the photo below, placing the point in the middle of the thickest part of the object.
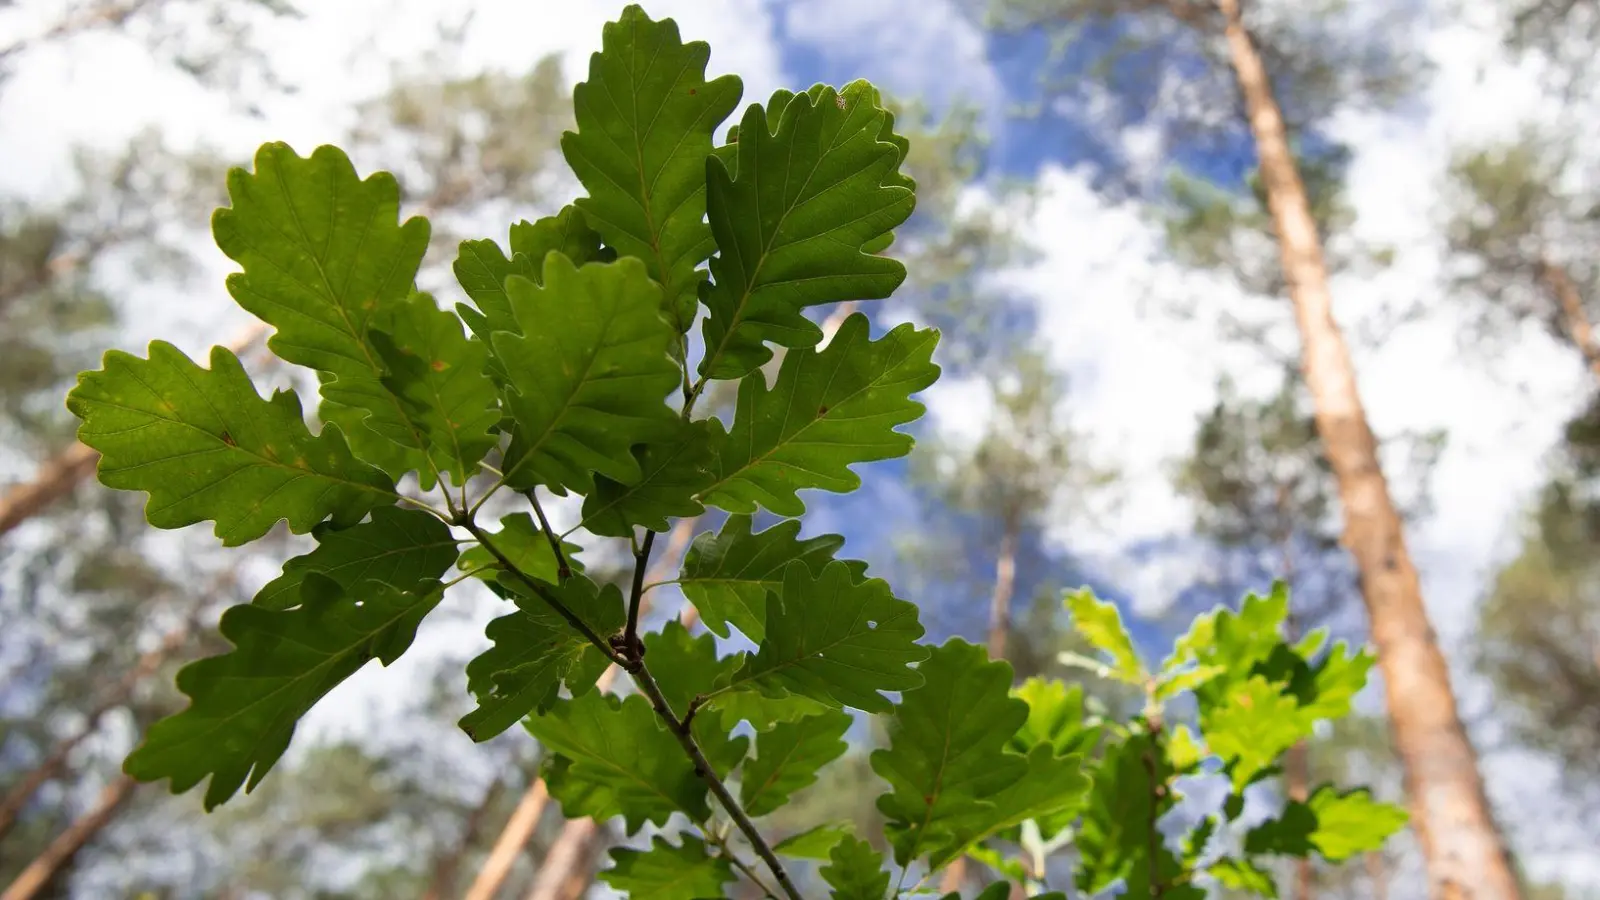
(574, 374)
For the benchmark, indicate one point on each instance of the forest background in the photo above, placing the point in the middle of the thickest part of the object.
(1121, 407)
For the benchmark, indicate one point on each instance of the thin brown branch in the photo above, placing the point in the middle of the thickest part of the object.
(508, 846)
(44, 867)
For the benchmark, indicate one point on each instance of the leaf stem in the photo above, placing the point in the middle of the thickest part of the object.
(702, 767)
(563, 571)
(641, 560)
(542, 592)
(721, 843)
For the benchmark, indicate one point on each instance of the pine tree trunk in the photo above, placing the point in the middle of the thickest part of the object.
(67, 469)
(1579, 328)
(568, 857)
(1461, 843)
(446, 866)
(1005, 582)
(1377, 875)
(17, 798)
(45, 866)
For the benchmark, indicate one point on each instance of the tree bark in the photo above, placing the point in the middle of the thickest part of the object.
(566, 860)
(17, 798)
(1555, 277)
(45, 866)
(1005, 582)
(446, 866)
(66, 470)
(1465, 854)
(1377, 875)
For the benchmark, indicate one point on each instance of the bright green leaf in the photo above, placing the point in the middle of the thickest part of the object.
(946, 750)
(1184, 750)
(1335, 682)
(588, 376)
(837, 640)
(1336, 825)
(827, 411)
(205, 446)
(665, 872)
(1101, 624)
(809, 192)
(645, 119)
(535, 651)
(728, 575)
(855, 872)
(1243, 875)
(1253, 728)
(1055, 717)
(398, 547)
(788, 758)
(439, 377)
(616, 759)
(244, 704)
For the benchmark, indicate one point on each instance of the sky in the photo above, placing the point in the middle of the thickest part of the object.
(1138, 381)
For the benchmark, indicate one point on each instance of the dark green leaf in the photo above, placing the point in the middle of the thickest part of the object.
(794, 223)
(788, 758)
(815, 843)
(728, 575)
(244, 704)
(645, 119)
(536, 651)
(946, 751)
(398, 547)
(686, 667)
(589, 374)
(665, 872)
(1052, 788)
(827, 411)
(525, 544)
(673, 472)
(616, 759)
(204, 445)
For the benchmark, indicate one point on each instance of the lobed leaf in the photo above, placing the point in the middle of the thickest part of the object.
(1101, 624)
(1051, 789)
(813, 189)
(1336, 825)
(523, 542)
(828, 411)
(835, 640)
(946, 753)
(665, 872)
(788, 758)
(614, 758)
(645, 118)
(397, 546)
(728, 575)
(816, 842)
(686, 667)
(855, 871)
(244, 704)
(205, 446)
(588, 374)
(672, 473)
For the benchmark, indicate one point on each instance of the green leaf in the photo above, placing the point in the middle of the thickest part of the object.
(326, 259)
(1338, 826)
(398, 546)
(589, 375)
(1335, 682)
(728, 575)
(616, 759)
(439, 377)
(1113, 837)
(1171, 684)
(665, 872)
(645, 118)
(482, 268)
(836, 640)
(536, 651)
(525, 544)
(1101, 624)
(1184, 750)
(794, 223)
(1253, 728)
(1243, 875)
(685, 667)
(855, 871)
(827, 411)
(1055, 717)
(761, 711)
(673, 472)
(205, 446)
(244, 704)
(816, 842)
(788, 758)
(946, 749)
(1236, 643)
(1052, 788)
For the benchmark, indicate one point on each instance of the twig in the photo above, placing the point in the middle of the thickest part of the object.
(563, 571)
(543, 593)
(702, 767)
(721, 843)
(641, 561)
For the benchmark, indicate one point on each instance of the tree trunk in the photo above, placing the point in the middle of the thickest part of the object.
(1555, 277)
(446, 866)
(568, 857)
(1005, 582)
(1460, 841)
(1377, 875)
(17, 798)
(45, 866)
(64, 471)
